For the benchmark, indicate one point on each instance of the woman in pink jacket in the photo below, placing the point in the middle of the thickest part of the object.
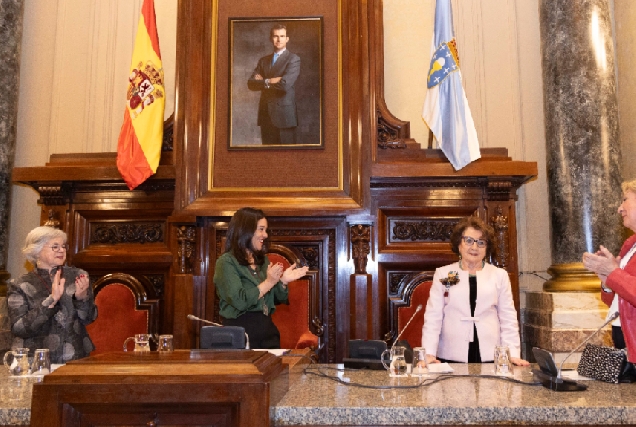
(470, 309)
(618, 277)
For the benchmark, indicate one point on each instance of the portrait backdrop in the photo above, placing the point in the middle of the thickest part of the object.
(249, 41)
(315, 35)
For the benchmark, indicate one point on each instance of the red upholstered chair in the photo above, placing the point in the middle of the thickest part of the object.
(125, 307)
(412, 291)
(294, 320)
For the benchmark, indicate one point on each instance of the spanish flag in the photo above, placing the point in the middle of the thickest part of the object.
(139, 145)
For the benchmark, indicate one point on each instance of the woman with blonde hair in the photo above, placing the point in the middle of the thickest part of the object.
(618, 276)
(50, 306)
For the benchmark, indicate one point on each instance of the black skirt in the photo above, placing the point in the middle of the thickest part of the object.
(260, 329)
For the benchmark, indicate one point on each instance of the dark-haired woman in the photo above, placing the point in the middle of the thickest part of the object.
(470, 309)
(247, 284)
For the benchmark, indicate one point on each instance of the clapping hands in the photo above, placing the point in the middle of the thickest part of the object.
(81, 287)
(293, 273)
(602, 262)
(57, 287)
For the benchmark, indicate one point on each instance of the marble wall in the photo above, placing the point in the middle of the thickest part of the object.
(11, 36)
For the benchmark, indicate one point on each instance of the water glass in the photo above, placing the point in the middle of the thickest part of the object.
(503, 366)
(41, 362)
(165, 343)
(142, 342)
(397, 364)
(420, 366)
(17, 361)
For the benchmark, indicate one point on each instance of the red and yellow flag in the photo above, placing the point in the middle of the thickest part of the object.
(139, 145)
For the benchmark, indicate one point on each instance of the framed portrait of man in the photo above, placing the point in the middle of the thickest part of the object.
(275, 79)
(225, 47)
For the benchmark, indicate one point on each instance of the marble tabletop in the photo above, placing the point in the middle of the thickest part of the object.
(326, 395)
(355, 397)
(15, 399)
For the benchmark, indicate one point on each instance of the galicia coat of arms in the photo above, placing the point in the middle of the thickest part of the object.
(145, 85)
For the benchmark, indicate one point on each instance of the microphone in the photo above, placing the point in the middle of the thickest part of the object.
(193, 317)
(417, 310)
(610, 320)
(558, 383)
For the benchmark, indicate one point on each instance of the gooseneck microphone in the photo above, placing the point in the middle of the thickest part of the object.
(611, 318)
(193, 317)
(417, 310)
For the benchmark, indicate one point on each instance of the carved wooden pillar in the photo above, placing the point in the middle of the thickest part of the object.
(361, 286)
(183, 292)
(500, 214)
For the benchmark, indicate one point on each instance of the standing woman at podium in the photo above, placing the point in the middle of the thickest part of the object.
(470, 309)
(247, 284)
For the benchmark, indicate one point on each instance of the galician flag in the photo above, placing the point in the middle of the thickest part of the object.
(446, 110)
(139, 145)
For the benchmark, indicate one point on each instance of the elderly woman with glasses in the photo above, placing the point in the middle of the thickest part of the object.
(470, 309)
(50, 306)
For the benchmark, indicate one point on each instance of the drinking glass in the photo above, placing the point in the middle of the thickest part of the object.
(142, 342)
(420, 366)
(503, 366)
(41, 362)
(17, 361)
(165, 343)
(397, 366)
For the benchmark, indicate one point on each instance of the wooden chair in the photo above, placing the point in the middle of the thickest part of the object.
(299, 321)
(126, 306)
(413, 290)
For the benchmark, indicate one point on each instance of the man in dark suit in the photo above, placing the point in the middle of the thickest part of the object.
(275, 76)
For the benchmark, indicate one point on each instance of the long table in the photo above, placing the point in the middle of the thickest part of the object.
(323, 395)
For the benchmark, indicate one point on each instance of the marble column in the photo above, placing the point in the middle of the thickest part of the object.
(11, 13)
(581, 119)
(584, 174)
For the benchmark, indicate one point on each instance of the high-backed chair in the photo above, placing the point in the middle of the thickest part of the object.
(126, 306)
(295, 321)
(413, 290)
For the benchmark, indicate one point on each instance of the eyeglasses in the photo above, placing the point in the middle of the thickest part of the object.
(481, 243)
(58, 248)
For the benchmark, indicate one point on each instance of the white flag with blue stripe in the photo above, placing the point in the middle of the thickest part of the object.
(446, 110)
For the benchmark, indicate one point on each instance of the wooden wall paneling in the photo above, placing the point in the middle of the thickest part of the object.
(183, 330)
(195, 36)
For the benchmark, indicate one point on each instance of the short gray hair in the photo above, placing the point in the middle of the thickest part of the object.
(37, 238)
(629, 186)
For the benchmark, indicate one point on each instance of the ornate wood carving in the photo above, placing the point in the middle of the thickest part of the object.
(395, 279)
(53, 220)
(422, 231)
(311, 254)
(158, 283)
(388, 135)
(186, 239)
(501, 190)
(360, 247)
(53, 195)
(127, 233)
(499, 223)
(167, 144)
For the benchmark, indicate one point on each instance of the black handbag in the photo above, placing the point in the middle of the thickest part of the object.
(607, 364)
